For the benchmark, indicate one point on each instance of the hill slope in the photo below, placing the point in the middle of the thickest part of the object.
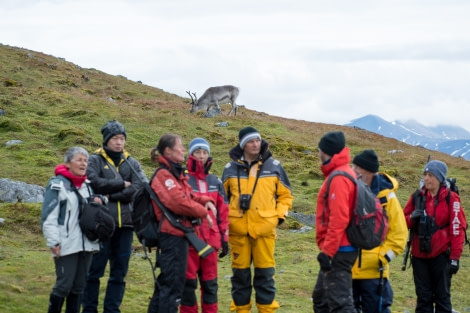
(51, 104)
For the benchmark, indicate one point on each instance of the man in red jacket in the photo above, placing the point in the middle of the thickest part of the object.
(333, 290)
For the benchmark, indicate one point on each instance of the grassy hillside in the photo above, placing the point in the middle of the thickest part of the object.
(51, 104)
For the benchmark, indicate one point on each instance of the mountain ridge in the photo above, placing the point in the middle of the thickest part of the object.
(449, 139)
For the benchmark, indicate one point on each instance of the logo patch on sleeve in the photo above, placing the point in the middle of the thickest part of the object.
(170, 184)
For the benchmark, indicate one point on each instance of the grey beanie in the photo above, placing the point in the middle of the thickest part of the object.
(110, 129)
(437, 168)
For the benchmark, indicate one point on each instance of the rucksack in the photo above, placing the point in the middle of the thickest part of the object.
(369, 222)
(452, 182)
(146, 226)
(95, 220)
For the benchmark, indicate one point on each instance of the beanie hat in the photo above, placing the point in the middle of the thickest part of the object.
(247, 134)
(437, 168)
(332, 142)
(199, 143)
(367, 160)
(110, 129)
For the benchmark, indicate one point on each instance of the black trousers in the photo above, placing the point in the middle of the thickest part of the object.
(333, 290)
(169, 286)
(432, 284)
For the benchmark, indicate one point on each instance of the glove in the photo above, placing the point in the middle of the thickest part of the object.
(325, 262)
(280, 221)
(454, 267)
(416, 214)
(225, 249)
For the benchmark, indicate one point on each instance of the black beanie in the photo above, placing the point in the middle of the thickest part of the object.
(367, 160)
(332, 142)
(110, 129)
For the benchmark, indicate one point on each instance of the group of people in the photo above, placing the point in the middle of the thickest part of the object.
(238, 215)
(358, 281)
(249, 202)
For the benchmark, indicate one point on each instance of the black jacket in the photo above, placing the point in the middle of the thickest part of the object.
(108, 179)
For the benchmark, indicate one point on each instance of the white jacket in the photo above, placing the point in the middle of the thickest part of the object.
(59, 221)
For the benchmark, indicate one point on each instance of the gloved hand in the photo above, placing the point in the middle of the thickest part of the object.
(325, 262)
(416, 214)
(280, 221)
(225, 249)
(453, 267)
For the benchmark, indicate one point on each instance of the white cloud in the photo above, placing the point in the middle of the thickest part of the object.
(323, 61)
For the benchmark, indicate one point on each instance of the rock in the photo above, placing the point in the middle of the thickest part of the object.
(13, 191)
(13, 142)
(306, 219)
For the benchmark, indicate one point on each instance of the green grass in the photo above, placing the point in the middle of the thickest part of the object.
(51, 104)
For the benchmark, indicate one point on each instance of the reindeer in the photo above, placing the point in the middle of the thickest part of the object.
(214, 96)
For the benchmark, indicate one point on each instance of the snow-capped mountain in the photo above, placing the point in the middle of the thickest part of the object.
(449, 139)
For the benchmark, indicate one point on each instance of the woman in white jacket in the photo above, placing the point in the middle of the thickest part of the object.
(71, 250)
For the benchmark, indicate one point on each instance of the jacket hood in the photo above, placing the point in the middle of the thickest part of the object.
(338, 159)
(383, 181)
(196, 168)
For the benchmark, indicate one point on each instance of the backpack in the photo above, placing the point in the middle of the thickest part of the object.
(452, 182)
(146, 226)
(95, 220)
(369, 222)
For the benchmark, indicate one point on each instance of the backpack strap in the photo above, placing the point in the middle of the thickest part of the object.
(328, 183)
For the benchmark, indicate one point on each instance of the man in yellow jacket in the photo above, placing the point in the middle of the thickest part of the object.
(259, 197)
(372, 291)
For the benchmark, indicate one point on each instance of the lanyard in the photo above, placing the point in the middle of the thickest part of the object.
(256, 181)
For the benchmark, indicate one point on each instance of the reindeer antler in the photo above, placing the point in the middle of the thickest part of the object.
(189, 93)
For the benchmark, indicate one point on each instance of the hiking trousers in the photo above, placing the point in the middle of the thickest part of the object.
(169, 286)
(432, 284)
(118, 252)
(333, 290)
(206, 271)
(260, 251)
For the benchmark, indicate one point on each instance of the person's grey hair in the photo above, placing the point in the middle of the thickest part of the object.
(72, 152)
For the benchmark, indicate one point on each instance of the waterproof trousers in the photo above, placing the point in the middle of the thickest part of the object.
(172, 260)
(206, 271)
(260, 251)
(71, 273)
(333, 289)
(432, 284)
(118, 252)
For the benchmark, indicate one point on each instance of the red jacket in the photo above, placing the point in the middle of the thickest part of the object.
(332, 221)
(207, 184)
(172, 188)
(450, 219)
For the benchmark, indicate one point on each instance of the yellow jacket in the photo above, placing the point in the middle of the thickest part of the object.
(270, 200)
(384, 186)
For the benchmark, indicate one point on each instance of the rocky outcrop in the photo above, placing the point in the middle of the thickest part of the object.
(14, 191)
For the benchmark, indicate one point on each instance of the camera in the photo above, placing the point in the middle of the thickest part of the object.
(244, 201)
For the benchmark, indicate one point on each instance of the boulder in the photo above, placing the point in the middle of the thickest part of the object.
(14, 191)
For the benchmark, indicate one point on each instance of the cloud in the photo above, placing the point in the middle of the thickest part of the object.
(320, 61)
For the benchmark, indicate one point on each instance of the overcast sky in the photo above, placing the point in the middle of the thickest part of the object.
(320, 61)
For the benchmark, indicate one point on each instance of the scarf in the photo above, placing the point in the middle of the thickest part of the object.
(197, 169)
(77, 181)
